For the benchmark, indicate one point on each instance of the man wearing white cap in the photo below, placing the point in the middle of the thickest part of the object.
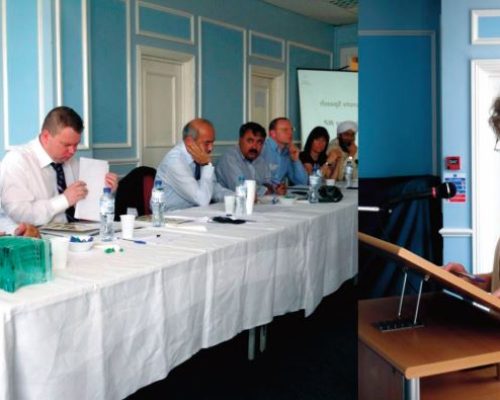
(344, 146)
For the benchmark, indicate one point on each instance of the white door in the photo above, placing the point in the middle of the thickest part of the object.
(161, 107)
(486, 164)
(260, 100)
(267, 95)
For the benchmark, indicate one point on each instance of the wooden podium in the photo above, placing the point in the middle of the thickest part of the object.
(454, 355)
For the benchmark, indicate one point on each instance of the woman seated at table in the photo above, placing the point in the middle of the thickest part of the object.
(314, 154)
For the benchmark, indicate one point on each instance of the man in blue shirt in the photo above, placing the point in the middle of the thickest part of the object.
(187, 171)
(281, 155)
(244, 160)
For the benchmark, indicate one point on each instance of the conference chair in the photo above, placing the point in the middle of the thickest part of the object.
(134, 191)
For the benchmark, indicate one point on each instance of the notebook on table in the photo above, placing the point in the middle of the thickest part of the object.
(71, 228)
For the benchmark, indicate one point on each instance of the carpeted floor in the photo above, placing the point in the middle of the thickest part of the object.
(306, 358)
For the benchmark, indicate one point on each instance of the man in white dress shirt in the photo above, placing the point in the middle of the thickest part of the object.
(39, 181)
(187, 171)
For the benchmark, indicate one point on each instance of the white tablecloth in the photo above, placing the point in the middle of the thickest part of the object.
(112, 323)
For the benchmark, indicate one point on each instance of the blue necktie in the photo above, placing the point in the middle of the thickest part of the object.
(197, 171)
(61, 187)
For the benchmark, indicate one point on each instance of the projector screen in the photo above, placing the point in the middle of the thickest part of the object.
(326, 99)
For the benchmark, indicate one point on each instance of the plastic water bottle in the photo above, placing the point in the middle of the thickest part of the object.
(349, 170)
(107, 212)
(312, 194)
(158, 203)
(241, 197)
(315, 169)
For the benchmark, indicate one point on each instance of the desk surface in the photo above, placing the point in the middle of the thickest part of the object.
(112, 323)
(455, 336)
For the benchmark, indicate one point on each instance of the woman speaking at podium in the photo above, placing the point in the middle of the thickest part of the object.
(489, 282)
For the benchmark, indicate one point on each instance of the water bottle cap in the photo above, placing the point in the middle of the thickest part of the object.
(314, 179)
(158, 183)
(106, 190)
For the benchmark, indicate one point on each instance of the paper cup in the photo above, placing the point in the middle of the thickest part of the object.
(127, 221)
(229, 203)
(251, 187)
(132, 211)
(59, 247)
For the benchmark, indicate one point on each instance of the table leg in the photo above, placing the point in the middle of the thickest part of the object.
(251, 344)
(262, 338)
(412, 389)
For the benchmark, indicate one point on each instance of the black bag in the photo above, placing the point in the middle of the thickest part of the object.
(330, 194)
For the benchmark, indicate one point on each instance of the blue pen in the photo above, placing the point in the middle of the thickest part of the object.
(135, 241)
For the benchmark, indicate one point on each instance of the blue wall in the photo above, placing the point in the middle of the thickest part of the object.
(72, 56)
(221, 78)
(22, 88)
(108, 52)
(398, 15)
(398, 99)
(457, 53)
(93, 69)
(345, 36)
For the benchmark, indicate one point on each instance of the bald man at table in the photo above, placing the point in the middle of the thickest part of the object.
(187, 171)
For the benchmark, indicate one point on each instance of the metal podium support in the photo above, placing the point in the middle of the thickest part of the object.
(399, 322)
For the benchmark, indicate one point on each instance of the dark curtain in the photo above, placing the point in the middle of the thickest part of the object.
(412, 224)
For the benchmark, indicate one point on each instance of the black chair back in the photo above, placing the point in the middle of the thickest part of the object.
(134, 190)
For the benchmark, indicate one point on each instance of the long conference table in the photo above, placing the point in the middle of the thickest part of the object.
(111, 323)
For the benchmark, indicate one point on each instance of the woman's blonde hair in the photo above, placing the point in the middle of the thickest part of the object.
(495, 117)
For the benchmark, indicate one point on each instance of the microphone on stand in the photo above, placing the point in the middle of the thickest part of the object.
(444, 190)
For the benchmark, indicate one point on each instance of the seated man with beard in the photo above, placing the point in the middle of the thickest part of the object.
(244, 160)
(344, 146)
